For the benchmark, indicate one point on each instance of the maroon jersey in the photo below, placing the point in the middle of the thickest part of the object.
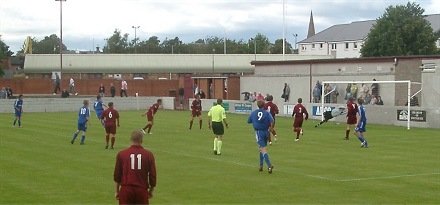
(110, 115)
(352, 108)
(299, 111)
(153, 109)
(272, 108)
(135, 166)
(196, 105)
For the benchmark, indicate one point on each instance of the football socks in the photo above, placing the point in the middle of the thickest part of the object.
(215, 144)
(219, 147)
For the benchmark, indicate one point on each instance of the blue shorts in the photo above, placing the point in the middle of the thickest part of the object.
(98, 113)
(361, 127)
(261, 136)
(17, 114)
(82, 126)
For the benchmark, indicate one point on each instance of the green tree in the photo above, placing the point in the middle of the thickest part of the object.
(117, 43)
(278, 47)
(259, 44)
(4, 53)
(48, 45)
(402, 30)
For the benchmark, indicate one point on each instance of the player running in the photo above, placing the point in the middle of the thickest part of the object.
(150, 116)
(110, 116)
(331, 114)
(99, 108)
(18, 110)
(272, 108)
(352, 110)
(83, 120)
(263, 123)
(298, 112)
(361, 124)
(196, 111)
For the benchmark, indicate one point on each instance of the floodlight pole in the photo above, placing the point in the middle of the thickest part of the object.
(135, 37)
(61, 40)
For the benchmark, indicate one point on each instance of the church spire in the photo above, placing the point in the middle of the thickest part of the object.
(311, 31)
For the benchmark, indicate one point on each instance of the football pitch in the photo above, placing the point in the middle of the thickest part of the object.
(38, 165)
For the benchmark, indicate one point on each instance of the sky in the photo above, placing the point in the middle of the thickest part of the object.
(86, 23)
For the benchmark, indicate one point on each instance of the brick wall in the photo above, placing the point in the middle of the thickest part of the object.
(90, 87)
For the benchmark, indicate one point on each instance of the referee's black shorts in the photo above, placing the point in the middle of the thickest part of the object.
(217, 128)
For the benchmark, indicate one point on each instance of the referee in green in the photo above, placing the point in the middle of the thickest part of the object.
(216, 115)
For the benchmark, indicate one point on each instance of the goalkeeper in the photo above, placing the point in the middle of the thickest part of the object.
(331, 114)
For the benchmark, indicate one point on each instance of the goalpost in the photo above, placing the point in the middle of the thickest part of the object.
(323, 94)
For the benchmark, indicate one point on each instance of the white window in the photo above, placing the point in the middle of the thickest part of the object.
(320, 46)
(334, 46)
(313, 46)
(303, 47)
(346, 45)
(355, 45)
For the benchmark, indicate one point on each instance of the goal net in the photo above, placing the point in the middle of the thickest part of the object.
(375, 93)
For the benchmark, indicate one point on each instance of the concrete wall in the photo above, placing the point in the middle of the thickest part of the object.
(431, 91)
(73, 104)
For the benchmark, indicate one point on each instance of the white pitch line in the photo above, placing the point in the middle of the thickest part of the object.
(247, 165)
(386, 177)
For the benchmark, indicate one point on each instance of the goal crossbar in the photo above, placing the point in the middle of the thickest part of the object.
(408, 82)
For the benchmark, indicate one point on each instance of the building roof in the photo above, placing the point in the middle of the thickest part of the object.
(355, 31)
(151, 63)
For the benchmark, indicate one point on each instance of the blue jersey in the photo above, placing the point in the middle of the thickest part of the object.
(98, 106)
(361, 112)
(18, 105)
(83, 114)
(260, 119)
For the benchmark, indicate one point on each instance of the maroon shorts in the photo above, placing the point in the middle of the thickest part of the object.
(351, 120)
(298, 122)
(110, 129)
(150, 117)
(195, 113)
(133, 195)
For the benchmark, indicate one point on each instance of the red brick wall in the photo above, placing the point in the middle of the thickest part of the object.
(90, 87)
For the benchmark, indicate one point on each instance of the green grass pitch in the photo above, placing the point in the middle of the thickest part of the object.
(38, 165)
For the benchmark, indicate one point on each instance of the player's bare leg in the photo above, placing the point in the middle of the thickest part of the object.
(107, 139)
(200, 121)
(191, 122)
(347, 132)
(150, 124)
(274, 134)
(113, 140)
(269, 139)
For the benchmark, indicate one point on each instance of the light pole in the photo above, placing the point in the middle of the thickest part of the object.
(255, 47)
(61, 39)
(213, 52)
(135, 37)
(295, 35)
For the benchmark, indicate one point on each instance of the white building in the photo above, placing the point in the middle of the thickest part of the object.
(346, 40)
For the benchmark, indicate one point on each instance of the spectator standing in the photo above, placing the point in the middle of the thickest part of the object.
(9, 93)
(334, 93)
(102, 90)
(316, 93)
(196, 89)
(72, 86)
(375, 88)
(348, 91)
(3, 93)
(354, 90)
(327, 90)
(367, 99)
(56, 83)
(260, 97)
(211, 91)
(124, 87)
(181, 93)
(364, 90)
(112, 90)
(286, 92)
